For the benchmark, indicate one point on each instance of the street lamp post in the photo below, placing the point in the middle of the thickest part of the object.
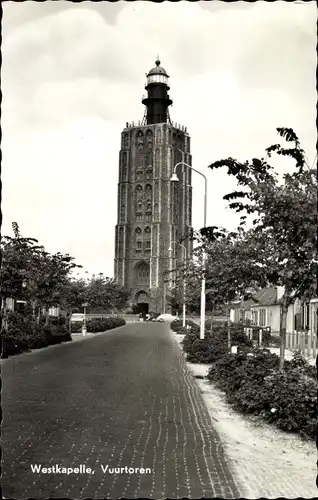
(84, 329)
(184, 283)
(164, 291)
(174, 178)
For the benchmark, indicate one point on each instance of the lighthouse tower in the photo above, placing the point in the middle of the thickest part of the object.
(154, 214)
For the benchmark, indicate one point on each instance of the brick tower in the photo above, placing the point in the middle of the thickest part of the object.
(152, 211)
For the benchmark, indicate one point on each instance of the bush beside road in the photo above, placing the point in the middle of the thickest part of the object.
(24, 334)
(98, 325)
(252, 381)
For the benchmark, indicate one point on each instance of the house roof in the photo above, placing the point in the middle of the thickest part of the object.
(267, 297)
(264, 297)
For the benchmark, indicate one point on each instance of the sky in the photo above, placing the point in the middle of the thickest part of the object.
(74, 74)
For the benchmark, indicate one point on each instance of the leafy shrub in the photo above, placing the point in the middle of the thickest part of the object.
(300, 362)
(177, 323)
(293, 401)
(215, 344)
(103, 324)
(233, 371)
(254, 384)
(76, 326)
(274, 341)
(181, 330)
(24, 334)
(97, 325)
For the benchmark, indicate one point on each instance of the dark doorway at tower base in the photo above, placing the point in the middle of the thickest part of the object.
(142, 308)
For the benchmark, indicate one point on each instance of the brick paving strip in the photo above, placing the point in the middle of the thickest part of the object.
(123, 398)
(271, 463)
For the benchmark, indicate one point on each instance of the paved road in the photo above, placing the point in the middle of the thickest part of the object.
(124, 399)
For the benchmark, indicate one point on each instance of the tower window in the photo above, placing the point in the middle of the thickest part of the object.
(138, 245)
(142, 274)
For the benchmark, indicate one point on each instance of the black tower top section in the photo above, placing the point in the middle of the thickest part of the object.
(158, 100)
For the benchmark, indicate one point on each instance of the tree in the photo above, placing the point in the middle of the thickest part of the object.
(284, 222)
(29, 272)
(18, 255)
(104, 294)
(48, 278)
(73, 296)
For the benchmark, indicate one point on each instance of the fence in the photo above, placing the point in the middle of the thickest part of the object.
(256, 333)
(303, 341)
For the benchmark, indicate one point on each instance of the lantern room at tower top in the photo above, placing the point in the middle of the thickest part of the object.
(157, 75)
(158, 100)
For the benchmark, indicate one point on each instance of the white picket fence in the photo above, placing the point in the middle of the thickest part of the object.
(303, 341)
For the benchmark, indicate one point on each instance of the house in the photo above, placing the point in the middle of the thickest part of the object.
(264, 309)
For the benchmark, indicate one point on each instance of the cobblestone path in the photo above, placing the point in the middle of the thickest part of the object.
(120, 399)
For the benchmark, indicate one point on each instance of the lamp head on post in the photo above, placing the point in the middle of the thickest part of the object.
(174, 178)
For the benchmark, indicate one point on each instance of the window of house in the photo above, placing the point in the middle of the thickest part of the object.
(262, 317)
(254, 317)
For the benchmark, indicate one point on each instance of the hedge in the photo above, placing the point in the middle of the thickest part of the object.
(23, 334)
(254, 384)
(252, 381)
(215, 344)
(97, 325)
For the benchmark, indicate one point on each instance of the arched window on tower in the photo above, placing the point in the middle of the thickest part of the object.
(124, 166)
(156, 207)
(159, 135)
(148, 200)
(142, 273)
(154, 240)
(139, 175)
(140, 140)
(156, 190)
(142, 161)
(149, 159)
(148, 190)
(126, 141)
(138, 239)
(147, 239)
(157, 162)
(121, 242)
(139, 203)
